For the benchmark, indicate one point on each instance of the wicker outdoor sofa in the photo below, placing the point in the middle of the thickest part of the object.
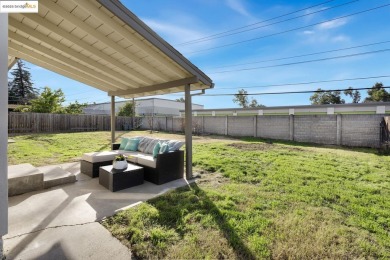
(159, 169)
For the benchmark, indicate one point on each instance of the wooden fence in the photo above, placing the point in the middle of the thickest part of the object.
(51, 123)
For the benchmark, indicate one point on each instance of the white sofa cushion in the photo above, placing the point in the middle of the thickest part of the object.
(100, 156)
(147, 160)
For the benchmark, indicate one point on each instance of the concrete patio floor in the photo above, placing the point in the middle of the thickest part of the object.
(62, 222)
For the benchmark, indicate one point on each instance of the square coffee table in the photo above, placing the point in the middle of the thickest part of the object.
(115, 180)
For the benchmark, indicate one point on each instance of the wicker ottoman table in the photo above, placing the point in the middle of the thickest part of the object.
(115, 180)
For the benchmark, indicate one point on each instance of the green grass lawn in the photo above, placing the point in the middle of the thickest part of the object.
(251, 200)
(255, 200)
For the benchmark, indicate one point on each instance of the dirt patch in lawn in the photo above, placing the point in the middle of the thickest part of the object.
(260, 147)
(252, 147)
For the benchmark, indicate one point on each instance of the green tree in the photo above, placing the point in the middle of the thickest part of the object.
(241, 98)
(49, 101)
(74, 108)
(355, 95)
(127, 110)
(322, 97)
(20, 89)
(180, 99)
(377, 94)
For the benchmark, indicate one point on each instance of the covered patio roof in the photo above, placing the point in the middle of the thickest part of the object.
(102, 44)
(99, 43)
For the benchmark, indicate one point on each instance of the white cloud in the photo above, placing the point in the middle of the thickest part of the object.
(238, 6)
(176, 34)
(308, 32)
(340, 38)
(332, 24)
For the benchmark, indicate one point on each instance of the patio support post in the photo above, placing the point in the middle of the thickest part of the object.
(188, 131)
(112, 121)
(3, 128)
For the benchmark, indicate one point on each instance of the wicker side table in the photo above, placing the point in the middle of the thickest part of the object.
(115, 180)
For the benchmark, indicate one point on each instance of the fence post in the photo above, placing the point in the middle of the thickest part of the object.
(339, 122)
(202, 124)
(226, 125)
(291, 124)
(255, 126)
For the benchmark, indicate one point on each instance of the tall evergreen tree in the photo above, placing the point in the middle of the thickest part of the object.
(20, 89)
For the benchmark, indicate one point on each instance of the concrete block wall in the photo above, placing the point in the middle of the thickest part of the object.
(321, 129)
(348, 130)
(215, 125)
(274, 127)
(361, 130)
(241, 126)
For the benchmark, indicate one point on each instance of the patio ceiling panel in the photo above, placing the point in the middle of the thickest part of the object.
(127, 74)
(86, 61)
(143, 66)
(102, 44)
(19, 42)
(57, 67)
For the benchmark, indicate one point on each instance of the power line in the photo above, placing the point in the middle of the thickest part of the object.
(306, 61)
(291, 30)
(267, 25)
(246, 26)
(288, 92)
(304, 55)
(311, 82)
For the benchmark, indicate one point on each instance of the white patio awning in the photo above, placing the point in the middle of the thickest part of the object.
(102, 44)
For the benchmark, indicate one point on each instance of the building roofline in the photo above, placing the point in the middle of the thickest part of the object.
(301, 106)
(141, 99)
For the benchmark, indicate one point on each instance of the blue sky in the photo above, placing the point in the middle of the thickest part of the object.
(183, 21)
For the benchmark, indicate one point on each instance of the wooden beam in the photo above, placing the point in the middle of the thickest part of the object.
(162, 86)
(113, 121)
(55, 67)
(55, 8)
(18, 41)
(107, 20)
(125, 70)
(188, 131)
(101, 70)
(10, 65)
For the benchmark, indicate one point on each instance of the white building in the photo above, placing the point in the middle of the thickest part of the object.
(143, 107)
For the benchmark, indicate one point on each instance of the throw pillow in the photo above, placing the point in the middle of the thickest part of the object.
(175, 145)
(132, 144)
(150, 147)
(156, 149)
(123, 143)
(164, 147)
(143, 144)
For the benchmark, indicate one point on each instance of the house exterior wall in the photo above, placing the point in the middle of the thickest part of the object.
(143, 107)
(3, 129)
